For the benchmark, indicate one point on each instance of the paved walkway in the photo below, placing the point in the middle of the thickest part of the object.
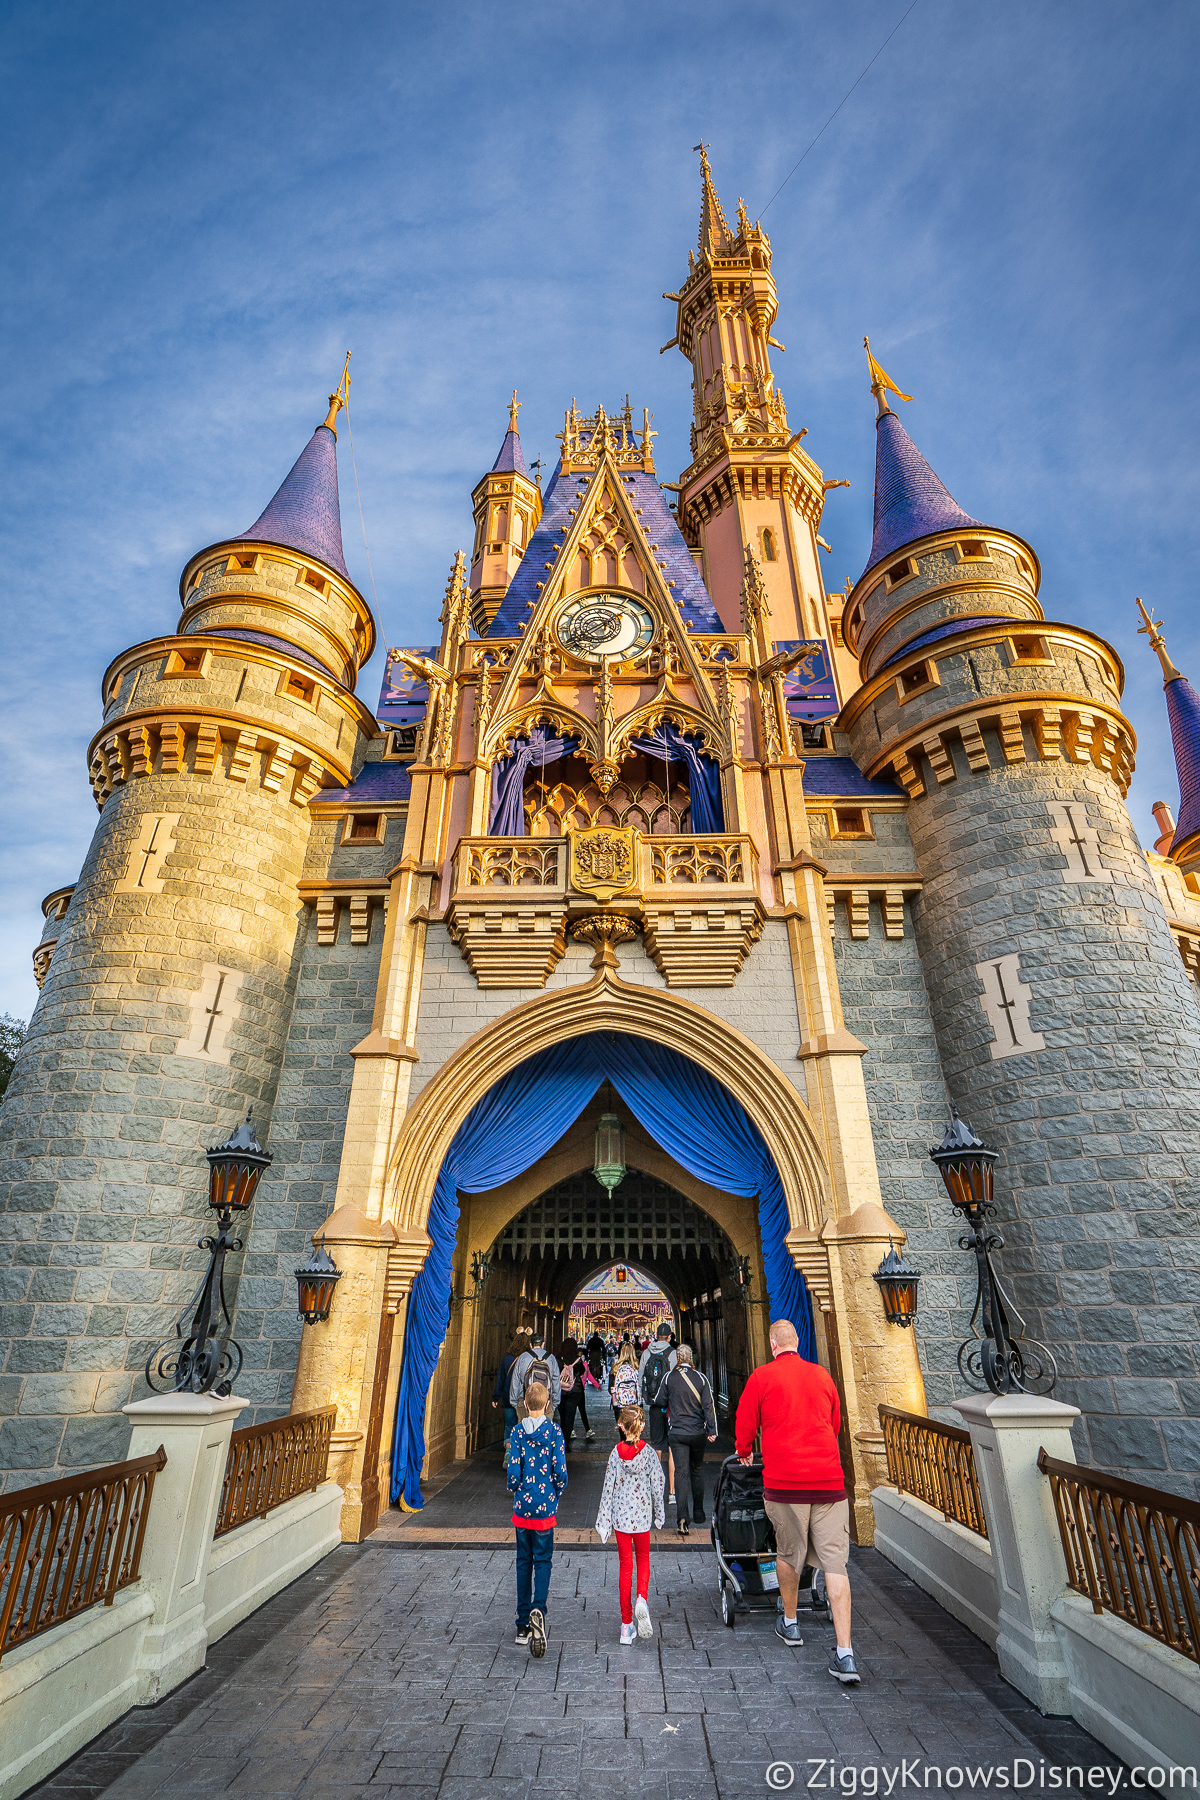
(390, 1671)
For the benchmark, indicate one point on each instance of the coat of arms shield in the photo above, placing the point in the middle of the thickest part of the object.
(604, 860)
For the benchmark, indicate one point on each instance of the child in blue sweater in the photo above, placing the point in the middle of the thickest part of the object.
(537, 1475)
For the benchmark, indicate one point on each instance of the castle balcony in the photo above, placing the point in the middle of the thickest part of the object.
(695, 898)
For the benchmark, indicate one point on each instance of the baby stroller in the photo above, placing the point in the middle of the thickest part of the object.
(744, 1540)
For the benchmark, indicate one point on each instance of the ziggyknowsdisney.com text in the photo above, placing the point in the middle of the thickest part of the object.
(1021, 1775)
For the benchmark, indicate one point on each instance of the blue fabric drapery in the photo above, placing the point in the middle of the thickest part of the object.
(508, 777)
(668, 744)
(682, 1106)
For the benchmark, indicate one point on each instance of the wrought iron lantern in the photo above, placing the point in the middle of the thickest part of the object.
(898, 1282)
(316, 1279)
(202, 1356)
(995, 1355)
(609, 1165)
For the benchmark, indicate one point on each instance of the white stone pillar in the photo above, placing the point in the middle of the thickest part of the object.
(1031, 1573)
(195, 1430)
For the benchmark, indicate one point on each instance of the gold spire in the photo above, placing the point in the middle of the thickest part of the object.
(881, 382)
(513, 409)
(1152, 628)
(339, 397)
(714, 227)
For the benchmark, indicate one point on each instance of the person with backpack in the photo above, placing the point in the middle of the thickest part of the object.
(632, 1504)
(687, 1395)
(534, 1364)
(536, 1471)
(657, 1361)
(624, 1385)
(574, 1400)
(500, 1387)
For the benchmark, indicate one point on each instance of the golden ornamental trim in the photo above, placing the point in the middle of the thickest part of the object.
(603, 860)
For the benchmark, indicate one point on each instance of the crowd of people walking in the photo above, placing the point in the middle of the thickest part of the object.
(665, 1417)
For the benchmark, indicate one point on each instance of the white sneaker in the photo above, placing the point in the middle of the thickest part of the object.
(641, 1613)
(628, 1635)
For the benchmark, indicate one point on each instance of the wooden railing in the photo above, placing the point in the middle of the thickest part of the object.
(1133, 1551)
(272, 1463)
(936, 1463)
(71, 1544)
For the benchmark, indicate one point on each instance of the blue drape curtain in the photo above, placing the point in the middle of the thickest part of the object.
(683, 1108)
(508, 777)
(668, 744)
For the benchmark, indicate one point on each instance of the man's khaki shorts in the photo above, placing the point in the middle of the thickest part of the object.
(818, 1535)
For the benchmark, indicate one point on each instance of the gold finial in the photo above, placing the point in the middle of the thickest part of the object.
(513, 409)
(340, 396)
(1152, 628)
(881, 382)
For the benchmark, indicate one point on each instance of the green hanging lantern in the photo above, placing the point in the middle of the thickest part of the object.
(609, 1166)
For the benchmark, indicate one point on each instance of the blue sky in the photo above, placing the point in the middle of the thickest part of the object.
(204, 207)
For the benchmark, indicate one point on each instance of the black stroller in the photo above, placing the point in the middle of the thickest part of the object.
(744, 1540)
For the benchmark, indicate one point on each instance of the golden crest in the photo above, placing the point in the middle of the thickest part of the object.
(604, 860)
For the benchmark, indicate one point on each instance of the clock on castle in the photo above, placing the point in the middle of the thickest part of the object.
(659, 830)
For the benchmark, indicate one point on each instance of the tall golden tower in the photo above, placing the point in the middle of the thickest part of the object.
(749, 483)
(507, 507)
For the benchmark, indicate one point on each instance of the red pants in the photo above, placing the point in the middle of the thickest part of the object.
(627, 1543)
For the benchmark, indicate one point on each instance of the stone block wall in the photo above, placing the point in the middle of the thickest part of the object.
(1097, 1185)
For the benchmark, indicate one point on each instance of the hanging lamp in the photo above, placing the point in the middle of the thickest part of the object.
(609, 1165)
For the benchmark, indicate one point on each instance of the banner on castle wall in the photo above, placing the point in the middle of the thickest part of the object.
(808, 687)
(404, 697)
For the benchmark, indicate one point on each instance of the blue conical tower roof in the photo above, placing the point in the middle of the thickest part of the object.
(510, 460)
(910, 501)
(1183, 710)
(305, 514)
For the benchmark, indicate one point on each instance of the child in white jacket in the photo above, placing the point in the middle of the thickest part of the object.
(631, 1503)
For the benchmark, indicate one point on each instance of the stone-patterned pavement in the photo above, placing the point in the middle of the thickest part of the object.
(399, 1678)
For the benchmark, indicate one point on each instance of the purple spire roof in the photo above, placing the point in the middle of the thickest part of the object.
(510, 460)
(305, 514)
(1183, 710)
(910, 501)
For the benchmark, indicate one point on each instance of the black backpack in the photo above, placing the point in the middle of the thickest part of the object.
(656, 1368)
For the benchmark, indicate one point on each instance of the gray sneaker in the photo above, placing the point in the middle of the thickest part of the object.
(843, 1669)
(537, 1629)
(789, 1633)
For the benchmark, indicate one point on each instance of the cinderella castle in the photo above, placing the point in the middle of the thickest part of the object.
(657, 915)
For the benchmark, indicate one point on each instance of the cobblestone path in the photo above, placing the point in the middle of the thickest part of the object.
(390, 1671)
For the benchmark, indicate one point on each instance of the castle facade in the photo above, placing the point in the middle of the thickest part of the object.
(661, 849)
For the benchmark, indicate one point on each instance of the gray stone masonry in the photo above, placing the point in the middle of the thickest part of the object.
(1097, 1184)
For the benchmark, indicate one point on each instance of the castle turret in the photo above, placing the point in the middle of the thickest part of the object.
(1182, 844)
(1055, 986)
(507, 505)
(165, 1002)
(749, 484)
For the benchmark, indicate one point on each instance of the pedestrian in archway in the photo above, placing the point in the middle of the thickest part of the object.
(596, 1356)
(795, 1405)
(691, 1427)
(573, 1399)
(534, 1364)
(624, 1383)
(518, 1347)
(536, 1472)
(631, 1505)
(655, 1364)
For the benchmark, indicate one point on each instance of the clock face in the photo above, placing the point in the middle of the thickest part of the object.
(594, 626)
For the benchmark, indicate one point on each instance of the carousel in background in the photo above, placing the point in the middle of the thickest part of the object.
(617, 1300)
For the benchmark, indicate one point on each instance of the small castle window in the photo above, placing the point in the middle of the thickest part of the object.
(813, 735)
(915, 680)
(311, 579)
(295, 686)
(768, 544)
(242, 562)
(401, 744)
(1030, 649)
(363, 828)
(974, 550)
(901, 571)
(850, 822)
(193, 661)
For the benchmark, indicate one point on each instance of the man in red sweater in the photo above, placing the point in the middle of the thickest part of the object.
(795, 1405)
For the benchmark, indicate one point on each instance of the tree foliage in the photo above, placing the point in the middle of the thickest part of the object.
(12, 1036)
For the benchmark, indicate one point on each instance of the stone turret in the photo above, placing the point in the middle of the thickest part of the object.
(165, 1002)
(1068, 1030)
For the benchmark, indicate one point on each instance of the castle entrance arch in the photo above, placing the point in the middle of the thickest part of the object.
(682, 1108)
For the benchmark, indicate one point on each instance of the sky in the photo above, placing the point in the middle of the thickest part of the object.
(205, 207)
